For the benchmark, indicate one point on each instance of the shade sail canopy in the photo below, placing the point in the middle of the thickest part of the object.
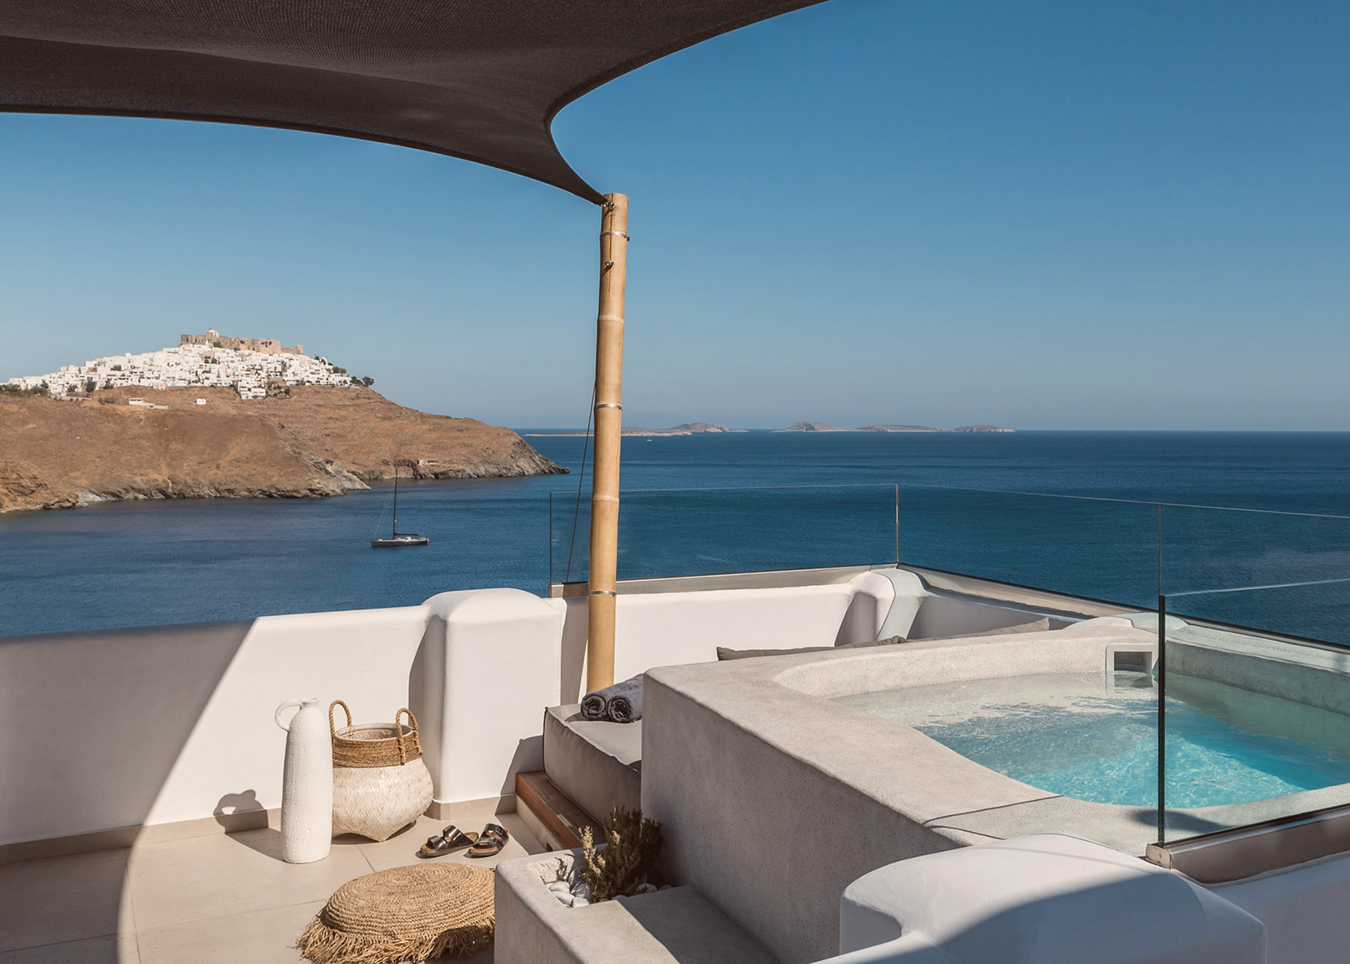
(477, 79)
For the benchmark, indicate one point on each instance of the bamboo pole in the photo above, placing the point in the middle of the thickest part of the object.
(603, 572)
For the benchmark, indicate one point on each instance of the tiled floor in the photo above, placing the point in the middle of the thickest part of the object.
(225, 899)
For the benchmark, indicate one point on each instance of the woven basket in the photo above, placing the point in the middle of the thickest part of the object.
(380, 784)
(374, 744)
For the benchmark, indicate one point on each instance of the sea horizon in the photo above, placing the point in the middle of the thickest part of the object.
(942, 431)
(693, 504)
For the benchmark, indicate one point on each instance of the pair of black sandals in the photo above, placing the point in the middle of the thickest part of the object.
(489, 843)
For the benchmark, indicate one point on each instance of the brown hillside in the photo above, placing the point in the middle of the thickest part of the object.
(317, 442)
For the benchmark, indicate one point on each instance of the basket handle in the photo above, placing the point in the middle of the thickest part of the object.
(412, 720)
(331, 728)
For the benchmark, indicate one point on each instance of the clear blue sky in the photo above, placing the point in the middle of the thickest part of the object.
(1074, 214)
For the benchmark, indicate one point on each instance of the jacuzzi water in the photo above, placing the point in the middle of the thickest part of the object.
(1095, 736)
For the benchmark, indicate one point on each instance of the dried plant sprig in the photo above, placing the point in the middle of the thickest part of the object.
(619, 866)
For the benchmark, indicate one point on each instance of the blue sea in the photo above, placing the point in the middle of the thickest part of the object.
(1019, 507)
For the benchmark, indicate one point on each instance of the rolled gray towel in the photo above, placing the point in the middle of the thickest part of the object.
(620, 703)
(594, 707)
(625, 705)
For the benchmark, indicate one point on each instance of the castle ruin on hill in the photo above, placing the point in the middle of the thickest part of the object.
(214, 339)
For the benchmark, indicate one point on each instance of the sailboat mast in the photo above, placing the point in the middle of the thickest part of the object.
(396, 538)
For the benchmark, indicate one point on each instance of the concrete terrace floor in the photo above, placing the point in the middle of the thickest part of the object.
(220, 899)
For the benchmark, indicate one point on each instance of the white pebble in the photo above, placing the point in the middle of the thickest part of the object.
(580, 902)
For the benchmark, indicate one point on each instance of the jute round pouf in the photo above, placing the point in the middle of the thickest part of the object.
(403, 914)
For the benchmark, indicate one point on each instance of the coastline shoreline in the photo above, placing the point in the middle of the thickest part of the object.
(207, 443)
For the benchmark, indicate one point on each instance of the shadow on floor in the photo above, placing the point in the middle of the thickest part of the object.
(67, 909)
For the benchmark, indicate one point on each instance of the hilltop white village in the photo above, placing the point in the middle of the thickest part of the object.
(248, 365)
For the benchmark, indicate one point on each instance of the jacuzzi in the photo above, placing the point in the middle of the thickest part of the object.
(1094, 736)
(782, 779)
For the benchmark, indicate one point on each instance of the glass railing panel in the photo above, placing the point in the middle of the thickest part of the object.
(1098, 548)
(569, 533)
(696, 532)
(1101, 549)
(1219, 558)
(1253, 726)
(683, 532)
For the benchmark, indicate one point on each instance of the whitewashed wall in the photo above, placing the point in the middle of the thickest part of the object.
(674, 628)
(125, 728)
(362, 657)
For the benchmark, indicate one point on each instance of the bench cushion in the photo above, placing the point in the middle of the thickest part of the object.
(595, 762)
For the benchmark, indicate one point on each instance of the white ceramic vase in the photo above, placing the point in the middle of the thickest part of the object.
(307, 783)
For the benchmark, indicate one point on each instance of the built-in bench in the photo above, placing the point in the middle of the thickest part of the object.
(590, 766)
(598, 764)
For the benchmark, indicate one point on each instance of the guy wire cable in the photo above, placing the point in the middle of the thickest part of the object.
(576, 510)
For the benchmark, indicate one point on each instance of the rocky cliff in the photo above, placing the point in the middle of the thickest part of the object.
(316, 442)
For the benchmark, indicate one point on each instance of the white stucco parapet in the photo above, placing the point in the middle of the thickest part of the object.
(490, 661)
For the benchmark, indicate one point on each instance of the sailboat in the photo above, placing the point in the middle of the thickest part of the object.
(398, 539)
